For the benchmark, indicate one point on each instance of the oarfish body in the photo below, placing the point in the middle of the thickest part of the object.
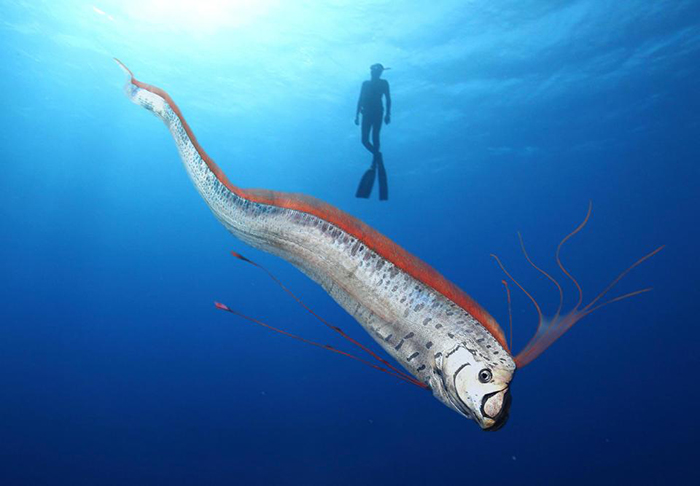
(433, 329)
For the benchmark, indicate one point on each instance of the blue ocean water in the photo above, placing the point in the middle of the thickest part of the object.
(115, 367)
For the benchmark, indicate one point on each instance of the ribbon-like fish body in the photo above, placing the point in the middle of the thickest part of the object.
(433, 329)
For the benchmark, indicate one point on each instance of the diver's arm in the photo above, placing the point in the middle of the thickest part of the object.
(359, 104)
(387, 118)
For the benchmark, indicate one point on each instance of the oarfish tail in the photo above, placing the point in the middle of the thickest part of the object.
(207, 177)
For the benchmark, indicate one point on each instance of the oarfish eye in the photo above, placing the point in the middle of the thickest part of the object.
(485, 375)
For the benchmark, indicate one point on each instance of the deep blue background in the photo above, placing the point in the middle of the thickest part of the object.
(115, 368)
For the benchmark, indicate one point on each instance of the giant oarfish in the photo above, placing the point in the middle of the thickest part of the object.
(443, 338)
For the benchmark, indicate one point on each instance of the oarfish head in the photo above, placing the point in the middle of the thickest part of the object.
(477, 388)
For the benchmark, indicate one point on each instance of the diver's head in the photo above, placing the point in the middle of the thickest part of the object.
(376, 70)
(476, 388)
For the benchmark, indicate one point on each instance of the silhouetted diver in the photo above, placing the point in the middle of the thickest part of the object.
(372, 109)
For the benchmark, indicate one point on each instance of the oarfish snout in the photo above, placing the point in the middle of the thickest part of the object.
(495, 408)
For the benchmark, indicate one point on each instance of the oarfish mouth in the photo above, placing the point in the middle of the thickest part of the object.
(496, 406)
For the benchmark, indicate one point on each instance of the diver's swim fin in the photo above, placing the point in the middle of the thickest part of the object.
(367, 182)
(383, 183)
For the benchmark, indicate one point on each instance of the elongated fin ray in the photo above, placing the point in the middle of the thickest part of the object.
(549, 330)
(617, 299)
(328, 324)
(510, 316)
(561, 243)
(619, 277)
(552, 279)
(327, 347)
(532, 299)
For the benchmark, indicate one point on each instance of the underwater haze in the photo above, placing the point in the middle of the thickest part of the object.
(508, 116)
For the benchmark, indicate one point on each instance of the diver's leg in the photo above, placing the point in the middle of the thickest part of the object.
(366, 125)
(383, 181)
(376, 127)
(367, 181)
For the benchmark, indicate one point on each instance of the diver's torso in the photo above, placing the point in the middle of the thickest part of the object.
(372, 92)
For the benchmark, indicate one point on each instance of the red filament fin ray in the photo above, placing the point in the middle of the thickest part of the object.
(548, 331)
(319, 345)
(328, 324)
(510, 315)
(561, 243)
(552, 279)
(619, 277)
(532, 299)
